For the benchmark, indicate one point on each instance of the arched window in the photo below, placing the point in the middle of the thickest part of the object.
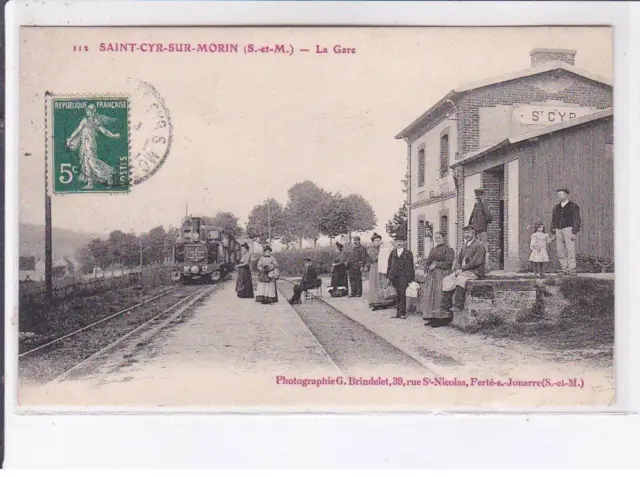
(444, 224)
(422, 167)
(444, 155)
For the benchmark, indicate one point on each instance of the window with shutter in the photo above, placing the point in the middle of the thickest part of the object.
(444, 224)
(444, 155)
(422, 167)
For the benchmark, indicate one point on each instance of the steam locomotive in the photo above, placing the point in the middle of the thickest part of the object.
(203, 253)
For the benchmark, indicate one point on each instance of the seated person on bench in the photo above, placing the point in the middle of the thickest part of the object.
(309, 281)
(470, 265)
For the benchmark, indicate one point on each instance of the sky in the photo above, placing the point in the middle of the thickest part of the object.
(248, 127)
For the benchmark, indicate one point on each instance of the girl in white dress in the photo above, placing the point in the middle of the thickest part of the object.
(539, 255)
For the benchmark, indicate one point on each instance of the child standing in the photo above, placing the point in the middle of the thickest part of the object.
(539, 255)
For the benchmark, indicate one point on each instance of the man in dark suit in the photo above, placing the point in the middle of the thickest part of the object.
(480, 220)
(470, 265)
(309, 281)
(356, 261)
(401, 272)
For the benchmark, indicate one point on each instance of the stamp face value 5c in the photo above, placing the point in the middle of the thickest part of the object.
(90, 144)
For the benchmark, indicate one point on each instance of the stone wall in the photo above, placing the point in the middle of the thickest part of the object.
(494, 302)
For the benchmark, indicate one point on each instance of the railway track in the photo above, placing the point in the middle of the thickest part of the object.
(352, 346)
(70, 354)
(92, 325)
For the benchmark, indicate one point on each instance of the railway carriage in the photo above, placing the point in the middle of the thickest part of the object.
(203, 253)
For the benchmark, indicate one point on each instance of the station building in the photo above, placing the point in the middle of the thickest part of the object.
(520, 137)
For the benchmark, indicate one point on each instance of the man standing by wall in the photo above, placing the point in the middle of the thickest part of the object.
(355, 263)
(565, 224)
(480, 220)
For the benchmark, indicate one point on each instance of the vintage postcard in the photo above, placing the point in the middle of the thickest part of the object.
(316, 218)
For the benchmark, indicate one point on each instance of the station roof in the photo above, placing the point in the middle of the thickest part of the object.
(604, 113)
(455, 93)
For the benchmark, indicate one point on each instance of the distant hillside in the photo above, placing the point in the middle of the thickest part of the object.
(65, 242)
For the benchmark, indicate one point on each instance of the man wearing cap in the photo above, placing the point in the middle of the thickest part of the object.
(470, 265)
(401, 272)
(309, 281)
(356, 261)
(480, 220)
(565, 224)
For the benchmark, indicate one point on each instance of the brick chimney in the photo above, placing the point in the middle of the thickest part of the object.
(540, 56)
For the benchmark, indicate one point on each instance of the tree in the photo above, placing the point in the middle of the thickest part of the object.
(102, 253)
(306, 201)
(336, 217)
(155, 245)
(170, 240)
(226, 221)
(397, 226)
(269, 211)
(363, 218)
(85, 259)
(116, 241)
(130, 251)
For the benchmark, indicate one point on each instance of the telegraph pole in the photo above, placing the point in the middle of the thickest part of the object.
(269, 219)
(48, 245)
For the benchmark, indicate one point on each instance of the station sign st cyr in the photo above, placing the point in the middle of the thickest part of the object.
(548, 115)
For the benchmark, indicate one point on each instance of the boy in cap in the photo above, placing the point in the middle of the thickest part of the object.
(480, 220)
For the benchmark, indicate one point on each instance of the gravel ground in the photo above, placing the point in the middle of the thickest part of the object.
(463, 355)
(228, 355)
(128, 351)
(48, 363)
(351, 345)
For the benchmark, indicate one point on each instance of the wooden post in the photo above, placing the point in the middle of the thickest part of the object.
(48, 241)
(48, 246)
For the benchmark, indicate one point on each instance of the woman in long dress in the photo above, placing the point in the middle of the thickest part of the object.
(339, 278)
(375, 279)
(244, 284)
(438, 265)
(84, 142)
(267, 293)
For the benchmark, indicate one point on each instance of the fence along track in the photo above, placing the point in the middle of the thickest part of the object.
(68, 335)
(190, 301)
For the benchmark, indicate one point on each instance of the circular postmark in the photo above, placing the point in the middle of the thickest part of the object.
(151, 131)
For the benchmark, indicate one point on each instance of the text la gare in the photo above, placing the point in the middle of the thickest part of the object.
(341, 50)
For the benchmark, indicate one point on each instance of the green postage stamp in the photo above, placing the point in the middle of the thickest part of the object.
(90, 144)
